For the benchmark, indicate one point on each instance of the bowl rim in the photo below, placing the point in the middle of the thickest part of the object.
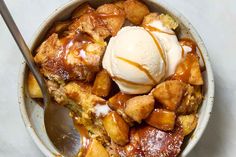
(169, 8)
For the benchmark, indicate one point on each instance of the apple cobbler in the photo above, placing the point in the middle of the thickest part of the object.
(133, 88)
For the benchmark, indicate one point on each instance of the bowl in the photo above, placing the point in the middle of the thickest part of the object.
(32, 113)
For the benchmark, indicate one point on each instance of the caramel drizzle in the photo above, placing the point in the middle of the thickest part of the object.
(150, 28)
(182, 51)
(158, 46)
(189, 42)
(129, 82)
(140, 67)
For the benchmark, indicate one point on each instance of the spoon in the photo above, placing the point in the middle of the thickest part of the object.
(58, 124)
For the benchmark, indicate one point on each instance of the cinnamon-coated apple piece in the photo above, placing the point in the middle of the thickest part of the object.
(189, 70)
(33, 87)
(135, 11)
(113, 16)
(188, 123)
(170, 93)
(96, 148)
(139, 107)
(81, 10)
(102, 84)
(116, 128)
(162, 119)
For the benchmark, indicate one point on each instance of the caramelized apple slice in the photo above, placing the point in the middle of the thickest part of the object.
(189, 70)
(96, 148)
(139, 107)
(102, 84)
(118, 101)
(81, 10)
(135, 11)
(33, 87)
(113, 17)
(191, 100)
(162, 119)
(169, 93)
(188, 123)
(117, 129)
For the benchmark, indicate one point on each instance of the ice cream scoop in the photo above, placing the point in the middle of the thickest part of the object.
(135, 60)
(167, 37)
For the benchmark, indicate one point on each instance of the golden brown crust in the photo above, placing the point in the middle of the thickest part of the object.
(147, 141)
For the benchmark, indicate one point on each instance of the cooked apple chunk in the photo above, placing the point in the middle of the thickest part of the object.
(102, 84)
(135, 11)
(120, 4)
(169, 93)
(118, 101)
(113, 17)
(150, 18)
(191, 100)
(189, 70)
(33, 87)
(96, 148)
(162, 119)
(188, 123)
(81, 10)
(139, 107)
(117, 129)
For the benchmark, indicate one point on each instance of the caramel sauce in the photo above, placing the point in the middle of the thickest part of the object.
(154, 29)
(129, 82)
(185, 67)
(190, 43)
(84, 137)
(159, 47)
(140, 67)
(77, 45)
(182, 52)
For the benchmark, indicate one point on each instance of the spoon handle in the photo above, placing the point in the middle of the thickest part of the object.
(23, 47)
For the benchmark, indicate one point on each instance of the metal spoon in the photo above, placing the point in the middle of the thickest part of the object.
(59, 125)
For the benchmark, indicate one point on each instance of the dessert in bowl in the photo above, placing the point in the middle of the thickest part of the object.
(132, 76)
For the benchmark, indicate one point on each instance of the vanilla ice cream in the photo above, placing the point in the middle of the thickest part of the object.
(169, 41)
(135, 60)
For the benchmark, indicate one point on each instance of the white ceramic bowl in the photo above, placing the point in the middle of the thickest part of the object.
(32, 114)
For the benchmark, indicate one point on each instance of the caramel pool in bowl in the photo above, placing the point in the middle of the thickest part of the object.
(32, 113)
